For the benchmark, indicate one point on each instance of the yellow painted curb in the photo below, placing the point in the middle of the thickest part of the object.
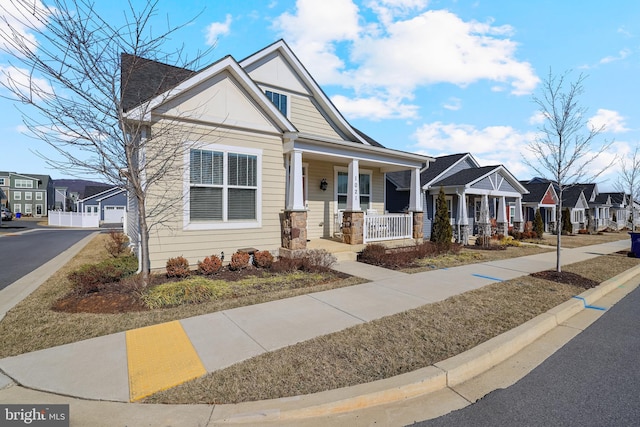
(160, 357)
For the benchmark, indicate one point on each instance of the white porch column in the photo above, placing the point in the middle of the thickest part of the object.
(502, 210)
(414, 194)
(353, 192)
(518, 216)
(462, 209)
(296, 197)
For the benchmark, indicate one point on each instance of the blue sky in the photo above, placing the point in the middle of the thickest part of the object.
(434, 77)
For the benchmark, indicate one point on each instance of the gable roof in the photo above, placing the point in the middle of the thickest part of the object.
(402, 179)
(98, 192)
(617, 198)
(147, 79)
(571, 196)
(470, 176)
(537, 191)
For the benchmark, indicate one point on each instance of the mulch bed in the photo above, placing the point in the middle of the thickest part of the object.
(567, 278)
(99, 302)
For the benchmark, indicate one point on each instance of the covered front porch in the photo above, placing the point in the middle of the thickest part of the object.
(335, 191)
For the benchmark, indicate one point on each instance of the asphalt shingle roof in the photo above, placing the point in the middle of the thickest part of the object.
(536, 190)
(465, 176)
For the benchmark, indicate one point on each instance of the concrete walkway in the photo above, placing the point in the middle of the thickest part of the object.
(102, 368)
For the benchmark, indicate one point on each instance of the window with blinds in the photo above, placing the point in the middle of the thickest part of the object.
(223, 186)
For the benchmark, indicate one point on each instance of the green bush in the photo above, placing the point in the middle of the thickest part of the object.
(441, 233)
(538, 225)
(190, 291)
(97, 277)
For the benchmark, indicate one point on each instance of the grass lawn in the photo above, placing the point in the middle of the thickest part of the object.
(392, 345)
(32, 325)
(578, 240)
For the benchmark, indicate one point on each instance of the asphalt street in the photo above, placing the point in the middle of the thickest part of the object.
(594, 380)
(21, 253)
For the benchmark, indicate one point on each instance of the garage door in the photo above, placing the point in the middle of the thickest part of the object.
(114, 214)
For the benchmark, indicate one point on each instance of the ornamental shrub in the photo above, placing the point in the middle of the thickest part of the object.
(567, 226)
(239, 260)
(441, 233)
(316, 260)
(210, 265)
(538, 225)
(178, 267)
(97, 277)
(263, 259)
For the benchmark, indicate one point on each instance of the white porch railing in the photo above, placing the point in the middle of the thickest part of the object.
(74, 219)
(387, 227)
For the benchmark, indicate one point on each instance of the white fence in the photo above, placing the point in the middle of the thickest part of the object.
(387, 227)
(74, 219)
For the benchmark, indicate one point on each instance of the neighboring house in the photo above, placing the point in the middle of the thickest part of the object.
(598, 211)
(61, 199)
(469, 190)
(4, 187)
(27, 195)
(542, 196)
(273, 163)
(574, 200)
(109, 202)
(619, 209)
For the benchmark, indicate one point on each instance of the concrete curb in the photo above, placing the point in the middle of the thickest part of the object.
(447, 373)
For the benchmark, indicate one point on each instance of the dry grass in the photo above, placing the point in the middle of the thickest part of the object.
(32, 325)
(578, 240)
(469, 255)
(391, 345)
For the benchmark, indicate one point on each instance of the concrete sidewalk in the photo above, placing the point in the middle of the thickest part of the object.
(104, 368)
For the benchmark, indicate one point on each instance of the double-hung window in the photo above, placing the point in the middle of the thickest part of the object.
(223, 186)
(365, 190)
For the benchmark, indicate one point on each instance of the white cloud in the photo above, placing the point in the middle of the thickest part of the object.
(453, 104)
(490, 145)
(621, 55)
(217, 29)
(19, 80)
(611, 120)
(537, 118)
(400, 48)
(21, 21)
(374, 108)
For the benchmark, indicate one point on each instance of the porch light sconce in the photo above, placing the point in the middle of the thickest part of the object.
(323, 184)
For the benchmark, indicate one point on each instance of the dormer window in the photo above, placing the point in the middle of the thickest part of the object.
(279, 100)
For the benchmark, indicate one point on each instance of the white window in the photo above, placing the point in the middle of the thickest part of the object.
(17, 208)
(224, 187)
(365, 189)
(28, 195)
(38, 196)
(17, 195)
(23, 183)
(279, 100)
(512, 213)
(27, 209)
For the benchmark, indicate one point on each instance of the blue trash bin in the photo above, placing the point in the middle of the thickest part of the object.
(635, 243)
(18, 214)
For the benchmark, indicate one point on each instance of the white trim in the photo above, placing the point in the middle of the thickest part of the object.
(225, 224)
(343, 169)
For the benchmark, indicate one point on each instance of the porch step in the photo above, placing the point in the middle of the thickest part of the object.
(346, 256)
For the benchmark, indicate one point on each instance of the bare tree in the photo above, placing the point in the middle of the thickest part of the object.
(564, 148)
(629, 181)
(81, 75)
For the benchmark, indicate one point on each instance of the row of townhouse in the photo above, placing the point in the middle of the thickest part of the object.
(509, 203)
(271, 163)
(29, 195)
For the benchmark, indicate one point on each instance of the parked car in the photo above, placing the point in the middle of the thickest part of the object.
(7, 215)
